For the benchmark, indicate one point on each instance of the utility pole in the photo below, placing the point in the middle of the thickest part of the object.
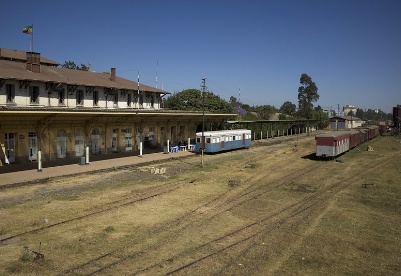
(203, 85)
(351, 118)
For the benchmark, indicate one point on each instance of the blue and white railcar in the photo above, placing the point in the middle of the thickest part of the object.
(223, 140)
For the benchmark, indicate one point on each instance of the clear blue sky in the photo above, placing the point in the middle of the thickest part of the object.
(351, 49)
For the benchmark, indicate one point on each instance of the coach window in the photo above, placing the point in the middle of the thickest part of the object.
(207, 140)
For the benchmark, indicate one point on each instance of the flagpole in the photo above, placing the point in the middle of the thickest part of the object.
(29, 30)
(32, 40)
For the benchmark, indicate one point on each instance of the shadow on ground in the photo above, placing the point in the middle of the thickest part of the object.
(72, 160)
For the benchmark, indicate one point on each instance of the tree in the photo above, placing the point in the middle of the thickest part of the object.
(72, 65)
(265, 111)
(360, 113)
(288, 108)
(191, 100)
(282, 116)
(307, 94)
(240, 111)
(234, 102)
(322, 117)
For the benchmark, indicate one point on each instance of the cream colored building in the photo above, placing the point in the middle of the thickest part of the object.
(61, 112)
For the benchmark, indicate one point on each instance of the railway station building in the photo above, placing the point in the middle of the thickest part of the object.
(344, 122)
(62, 112)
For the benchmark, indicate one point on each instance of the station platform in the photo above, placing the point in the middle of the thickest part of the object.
(14, 174)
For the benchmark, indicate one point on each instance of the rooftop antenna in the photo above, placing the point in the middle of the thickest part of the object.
(239, 94)
(157, 70)
(138, 88)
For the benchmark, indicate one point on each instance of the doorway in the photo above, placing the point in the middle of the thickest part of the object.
(9, 148)
(61, 144)
(32, 144)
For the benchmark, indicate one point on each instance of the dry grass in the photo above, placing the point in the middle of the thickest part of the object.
(233, 217)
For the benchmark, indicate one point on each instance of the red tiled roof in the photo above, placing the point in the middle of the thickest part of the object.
(21, 56)
(17, 70)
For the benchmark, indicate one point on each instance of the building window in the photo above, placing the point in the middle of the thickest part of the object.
(61, 97)
(80, 97)
(10, 90)
(95, 98)
(34, 94)
(115, 99)
(141, 99)
(129, 99)
(152, 101)
(151, 134)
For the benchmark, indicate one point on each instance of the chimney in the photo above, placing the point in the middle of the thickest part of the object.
(33, 62)
(113, 74)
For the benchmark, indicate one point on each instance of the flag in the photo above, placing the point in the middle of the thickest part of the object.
(28, 30)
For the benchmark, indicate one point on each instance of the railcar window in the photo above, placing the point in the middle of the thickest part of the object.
(208, 140)
(198, 140)
(234, 138)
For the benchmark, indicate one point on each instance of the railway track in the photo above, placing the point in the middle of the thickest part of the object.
(293, 215)
(238, 243)
(223, 203)
(161, 190)
(150, 193)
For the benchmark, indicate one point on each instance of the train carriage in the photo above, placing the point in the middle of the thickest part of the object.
(371, 131)
(355, 138)
(335, 143)
(375, 130)
(223, 140)
(332, 144)
(363, 134)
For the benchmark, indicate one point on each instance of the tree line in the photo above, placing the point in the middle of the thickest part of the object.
(191, 100)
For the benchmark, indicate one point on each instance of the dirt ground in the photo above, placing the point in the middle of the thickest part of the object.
(271, 209)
